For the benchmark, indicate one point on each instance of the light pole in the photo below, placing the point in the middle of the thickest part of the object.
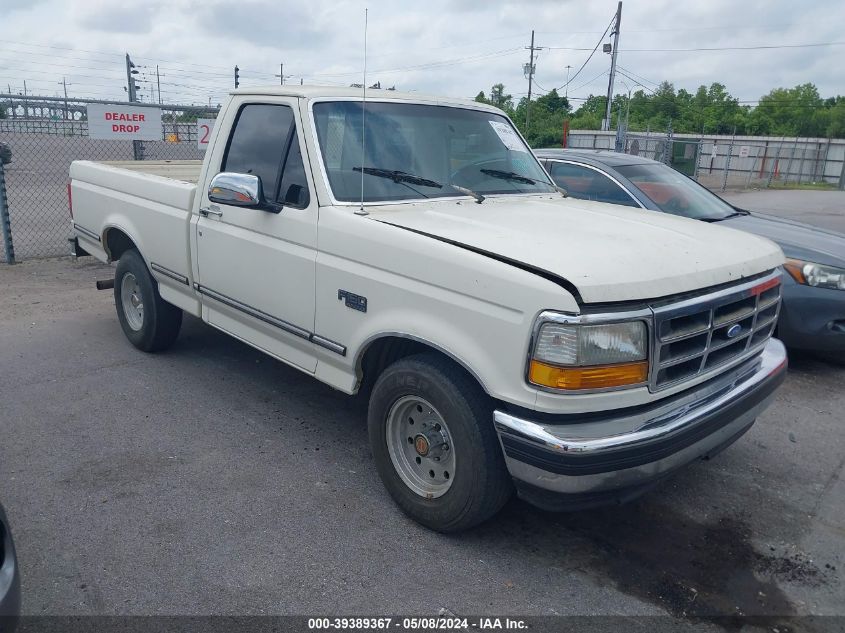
(620, 142)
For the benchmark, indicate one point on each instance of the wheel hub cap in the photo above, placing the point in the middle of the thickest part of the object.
(133, 304)
(420, 446)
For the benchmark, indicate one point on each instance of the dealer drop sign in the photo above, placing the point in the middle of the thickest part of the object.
(131, 123)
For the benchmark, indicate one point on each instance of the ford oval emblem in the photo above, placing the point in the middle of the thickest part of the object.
(734, 330)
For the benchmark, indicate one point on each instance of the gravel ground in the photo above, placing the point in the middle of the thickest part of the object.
(212, 479)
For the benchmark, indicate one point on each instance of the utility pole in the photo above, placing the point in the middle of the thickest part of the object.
(281, 74)
(237, 76)
(606, 125)
(64, 85)
(529, 72)
(131, 90)
(158, 85)
(567, 81)
(25, 104)
(131, 86)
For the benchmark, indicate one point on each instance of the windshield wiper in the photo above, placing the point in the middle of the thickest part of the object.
(508, 175)
(399, 176)
(724, 217)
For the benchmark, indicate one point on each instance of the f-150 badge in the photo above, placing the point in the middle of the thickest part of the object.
(356, 302)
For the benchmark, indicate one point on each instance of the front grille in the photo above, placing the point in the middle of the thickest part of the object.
(698, 335)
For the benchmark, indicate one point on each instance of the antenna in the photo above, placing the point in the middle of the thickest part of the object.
(364, 117)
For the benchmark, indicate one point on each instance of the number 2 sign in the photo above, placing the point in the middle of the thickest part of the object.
(204, 128)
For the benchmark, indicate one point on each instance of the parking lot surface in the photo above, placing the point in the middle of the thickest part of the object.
(825, 209)
(212, 479)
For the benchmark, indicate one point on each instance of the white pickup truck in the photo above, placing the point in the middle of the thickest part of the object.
(413, 249)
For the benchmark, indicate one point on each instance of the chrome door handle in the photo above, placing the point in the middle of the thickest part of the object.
(207, 212)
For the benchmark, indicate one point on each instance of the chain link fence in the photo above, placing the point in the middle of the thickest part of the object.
(731, 162)
(42, 149)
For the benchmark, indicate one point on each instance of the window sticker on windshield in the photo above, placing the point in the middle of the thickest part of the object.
(508, 136)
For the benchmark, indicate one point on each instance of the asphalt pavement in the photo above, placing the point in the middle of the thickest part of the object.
(211, 479)
(825, 209)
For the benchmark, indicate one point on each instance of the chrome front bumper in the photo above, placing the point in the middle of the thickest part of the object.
(595, 458)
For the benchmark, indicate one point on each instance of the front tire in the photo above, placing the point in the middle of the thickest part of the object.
(435, 448)
(148, 321)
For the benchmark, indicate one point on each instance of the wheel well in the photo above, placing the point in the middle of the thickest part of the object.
(387, 350)
(117, 243)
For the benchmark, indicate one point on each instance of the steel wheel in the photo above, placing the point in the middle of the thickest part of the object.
(132, 302)
(420, 446)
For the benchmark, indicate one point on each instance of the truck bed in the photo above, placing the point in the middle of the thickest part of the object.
(182, 170)
(151, 202)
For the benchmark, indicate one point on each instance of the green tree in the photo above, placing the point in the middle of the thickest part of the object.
(797, 111)
(836, 122)
(500, 99)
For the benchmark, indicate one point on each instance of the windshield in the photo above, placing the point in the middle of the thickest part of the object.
(415, 151)
(674, 193)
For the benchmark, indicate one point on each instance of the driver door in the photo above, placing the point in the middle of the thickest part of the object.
(256, 266)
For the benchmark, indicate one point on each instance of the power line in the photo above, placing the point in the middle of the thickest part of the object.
(601, 39)
(636, 77)
(599, 76)
(730, 48)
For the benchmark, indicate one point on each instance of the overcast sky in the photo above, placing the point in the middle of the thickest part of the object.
(454, 48)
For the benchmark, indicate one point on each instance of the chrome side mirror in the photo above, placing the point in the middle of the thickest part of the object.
(238, 190)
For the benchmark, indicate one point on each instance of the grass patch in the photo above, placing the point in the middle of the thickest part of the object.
(809, 186)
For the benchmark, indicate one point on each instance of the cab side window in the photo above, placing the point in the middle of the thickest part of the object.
(588, 184)
(264, 142)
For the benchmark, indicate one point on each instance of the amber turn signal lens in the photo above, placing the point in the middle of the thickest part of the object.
(795, 270)
(597, 377)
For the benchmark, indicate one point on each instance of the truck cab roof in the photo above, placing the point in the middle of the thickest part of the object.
(374, 94)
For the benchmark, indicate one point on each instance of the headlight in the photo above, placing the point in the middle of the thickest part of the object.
(818, 275)
(575, 356)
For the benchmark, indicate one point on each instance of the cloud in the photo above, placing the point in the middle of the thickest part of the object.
(14, 5)
(282, 25)
(450, 47)
(120, 19)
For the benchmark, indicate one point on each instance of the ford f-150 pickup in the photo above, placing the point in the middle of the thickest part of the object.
(411, 249)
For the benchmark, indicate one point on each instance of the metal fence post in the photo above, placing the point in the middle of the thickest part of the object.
(842, 175)
(801, 164)
(753, 167)
(789, 164)
(669, 148)
(728, 163)
(5, 223)
(698, 147)
(775, 161)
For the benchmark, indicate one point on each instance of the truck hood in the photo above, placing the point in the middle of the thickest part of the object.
(608, 252)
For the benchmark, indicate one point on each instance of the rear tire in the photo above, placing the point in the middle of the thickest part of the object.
(148, 321)
(432, 437)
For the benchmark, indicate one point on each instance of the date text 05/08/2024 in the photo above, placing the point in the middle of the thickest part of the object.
(416, 623)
